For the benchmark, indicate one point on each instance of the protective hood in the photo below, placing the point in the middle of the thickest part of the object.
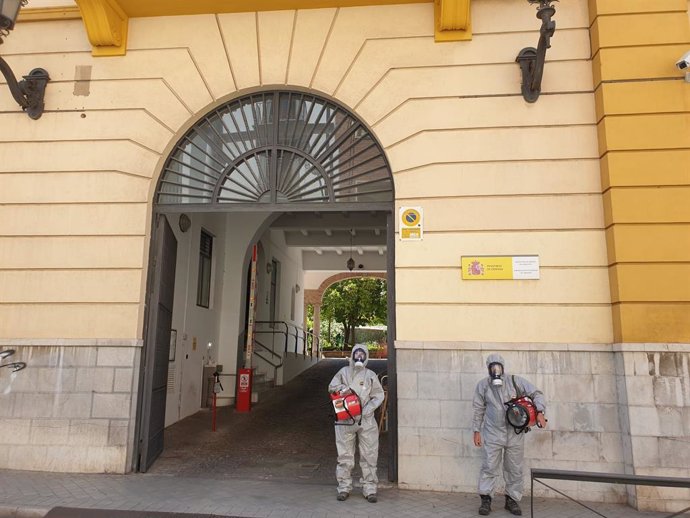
(356, 348)
(496, 366)
(495, 358)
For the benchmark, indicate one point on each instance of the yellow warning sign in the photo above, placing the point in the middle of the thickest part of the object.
(411, 223)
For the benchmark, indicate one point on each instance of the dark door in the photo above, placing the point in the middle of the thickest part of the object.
(392, 361)
(157, 346)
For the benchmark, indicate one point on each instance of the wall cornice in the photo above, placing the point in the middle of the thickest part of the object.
(106, 21)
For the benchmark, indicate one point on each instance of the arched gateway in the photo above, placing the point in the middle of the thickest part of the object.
(273, 150)
(281, 151)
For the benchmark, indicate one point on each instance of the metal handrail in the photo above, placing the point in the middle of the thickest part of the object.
(275, 366)
(273, 353)
(293, 331)
(608, 478)
(288, 331)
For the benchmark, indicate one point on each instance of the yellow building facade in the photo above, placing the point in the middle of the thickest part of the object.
(593, 178)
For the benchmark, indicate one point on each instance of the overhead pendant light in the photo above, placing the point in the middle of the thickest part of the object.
(350, 262)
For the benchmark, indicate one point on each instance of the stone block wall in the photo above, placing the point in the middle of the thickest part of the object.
(654, 386)
(592, 427)
(72, 409)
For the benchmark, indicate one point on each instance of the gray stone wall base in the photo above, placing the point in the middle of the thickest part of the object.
(654, 408)
(72, 408)
(612, 408)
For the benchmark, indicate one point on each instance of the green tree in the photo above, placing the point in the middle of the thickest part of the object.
(355, 302)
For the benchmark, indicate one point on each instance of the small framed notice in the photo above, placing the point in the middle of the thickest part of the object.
(499, 267)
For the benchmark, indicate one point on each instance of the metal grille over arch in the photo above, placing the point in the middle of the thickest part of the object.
(280, 147)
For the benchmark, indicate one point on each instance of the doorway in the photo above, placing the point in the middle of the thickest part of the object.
(245, 167)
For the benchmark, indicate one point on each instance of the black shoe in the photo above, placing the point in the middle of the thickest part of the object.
(371, 498)
(513, 507)
(342, 496)
(485, 508)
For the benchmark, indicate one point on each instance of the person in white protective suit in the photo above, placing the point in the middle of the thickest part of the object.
(364, 382)
(500, 440)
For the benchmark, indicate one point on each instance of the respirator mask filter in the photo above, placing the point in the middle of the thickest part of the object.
(359, 357)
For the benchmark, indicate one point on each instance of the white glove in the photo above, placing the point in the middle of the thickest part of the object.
(368, 410)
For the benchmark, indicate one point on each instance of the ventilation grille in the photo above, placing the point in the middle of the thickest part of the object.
(171, 380)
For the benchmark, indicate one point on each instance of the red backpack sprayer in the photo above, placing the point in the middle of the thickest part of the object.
(347, 406)
(521, 413)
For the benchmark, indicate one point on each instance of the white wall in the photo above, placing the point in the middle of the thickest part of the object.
(290, 276)
(196, 326)
(240, 230)
(222, 323)
(313, 279)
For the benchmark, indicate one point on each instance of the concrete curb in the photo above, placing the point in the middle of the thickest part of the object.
(8, 511)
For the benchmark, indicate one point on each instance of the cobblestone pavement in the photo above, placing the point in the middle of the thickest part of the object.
(287, 436)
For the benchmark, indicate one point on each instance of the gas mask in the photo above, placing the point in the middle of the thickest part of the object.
(359, 357)
(496, 374)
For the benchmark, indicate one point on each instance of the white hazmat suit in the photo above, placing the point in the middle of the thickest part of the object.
(357, 378)
(498, 437)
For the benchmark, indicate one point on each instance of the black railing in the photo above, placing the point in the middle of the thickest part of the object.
(607, 478)
(295, 339)
(276, 364)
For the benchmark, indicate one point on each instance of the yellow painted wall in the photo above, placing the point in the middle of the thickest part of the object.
(494, 174)
(643, 114)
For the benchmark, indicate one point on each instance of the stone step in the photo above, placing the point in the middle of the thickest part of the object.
(261, 384)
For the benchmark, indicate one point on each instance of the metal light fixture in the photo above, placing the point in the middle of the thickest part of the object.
(350, 262)
(30, 91)
(532, 60)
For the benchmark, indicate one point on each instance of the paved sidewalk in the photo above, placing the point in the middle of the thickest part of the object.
(33, 494)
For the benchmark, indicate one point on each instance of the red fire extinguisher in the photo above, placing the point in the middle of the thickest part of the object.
(347, 406)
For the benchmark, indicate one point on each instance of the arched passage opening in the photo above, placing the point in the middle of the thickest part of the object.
(313, 298)
(289, 170)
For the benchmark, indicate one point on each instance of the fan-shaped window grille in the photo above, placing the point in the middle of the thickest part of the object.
(276, 147)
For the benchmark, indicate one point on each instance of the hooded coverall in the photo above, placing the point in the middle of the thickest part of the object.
(498, 437)
(366, 384)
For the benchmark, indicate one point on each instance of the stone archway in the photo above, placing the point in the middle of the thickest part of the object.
(287, 150)
(315, 297)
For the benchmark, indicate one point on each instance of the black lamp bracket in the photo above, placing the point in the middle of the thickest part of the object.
(30, 91)
(532, 60)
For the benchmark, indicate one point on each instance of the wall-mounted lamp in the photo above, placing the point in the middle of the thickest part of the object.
(30, 91)
(532, 60)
